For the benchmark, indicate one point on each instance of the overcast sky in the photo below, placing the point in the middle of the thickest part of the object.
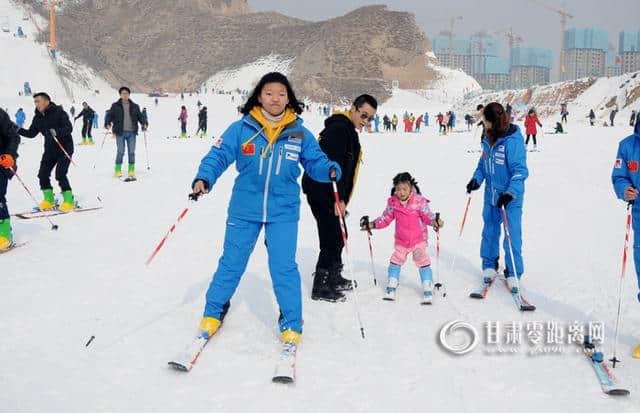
(538, 26)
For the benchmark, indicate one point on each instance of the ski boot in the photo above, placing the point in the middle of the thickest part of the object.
(6, 238)
(426, 276)
(90, 141)
(427, 288)
(323, 289)
(68, 203)
(488, 274)
(208, 327)
(83, 141)
(512, 284)
(118, 173)
(392, 286)
(336, 280)
(49, 202)
(131, 176)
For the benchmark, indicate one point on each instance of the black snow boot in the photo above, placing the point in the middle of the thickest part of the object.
(336, 280)
(322, 288)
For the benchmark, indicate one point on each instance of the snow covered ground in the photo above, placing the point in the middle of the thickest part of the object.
(89, 279)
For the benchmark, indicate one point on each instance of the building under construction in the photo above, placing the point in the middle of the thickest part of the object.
(584, 53)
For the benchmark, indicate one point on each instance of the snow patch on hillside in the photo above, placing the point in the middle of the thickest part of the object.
(246, 76)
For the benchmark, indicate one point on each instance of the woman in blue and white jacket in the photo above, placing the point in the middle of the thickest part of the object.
(503, 169)
(267, 145)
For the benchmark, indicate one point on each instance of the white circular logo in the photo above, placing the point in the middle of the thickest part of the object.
(451, 327)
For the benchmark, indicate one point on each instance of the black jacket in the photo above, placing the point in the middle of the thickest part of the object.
(339, 141)
(56, 119)
(87, 114)
(9, 138)
(202, 117)
(116, 116)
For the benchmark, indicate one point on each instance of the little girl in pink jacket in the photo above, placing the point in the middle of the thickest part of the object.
(412, 214)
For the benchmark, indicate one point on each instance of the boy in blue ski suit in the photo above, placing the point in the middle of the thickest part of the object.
(267, 150)
(503, 169)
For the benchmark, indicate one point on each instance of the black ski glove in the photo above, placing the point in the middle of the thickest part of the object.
(504, 199)
(472, 185)
(365, 224)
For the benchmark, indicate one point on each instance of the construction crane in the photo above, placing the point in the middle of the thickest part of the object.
(452, 36)
(52, 24)
(564, 19)
(515, 39)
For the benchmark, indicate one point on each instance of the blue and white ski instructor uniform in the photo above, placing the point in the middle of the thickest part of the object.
(625, 175)
(266, 193)
(503, 169)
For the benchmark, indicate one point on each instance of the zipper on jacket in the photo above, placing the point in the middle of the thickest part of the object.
(261, 161)
(266, 188)
(279, 161)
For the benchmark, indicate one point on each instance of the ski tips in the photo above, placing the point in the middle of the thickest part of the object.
(282, 379)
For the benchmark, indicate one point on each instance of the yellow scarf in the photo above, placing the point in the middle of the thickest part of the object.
(272, 132)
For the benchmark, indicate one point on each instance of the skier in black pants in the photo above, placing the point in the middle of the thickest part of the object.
(9, 142)
(87, 122)
(340, 141)
(202, 122)
(53, 123)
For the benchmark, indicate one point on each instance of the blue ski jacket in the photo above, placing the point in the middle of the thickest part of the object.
(503, 167)
(625, 171)
(266, 188)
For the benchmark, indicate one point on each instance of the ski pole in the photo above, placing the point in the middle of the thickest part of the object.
(364, 221)
(464, 217)
(615, 360)
(438, 285)
(507, 234)
(64, 151)
(346, 248)
(54, 227)
(193, 197)
(104, 139)
(146, 148)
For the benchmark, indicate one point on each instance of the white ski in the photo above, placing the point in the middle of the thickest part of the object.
(286, 366)
(188, 357)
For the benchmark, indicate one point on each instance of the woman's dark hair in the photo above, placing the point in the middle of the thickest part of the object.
(125, 89)
(531, 111)
(496, 115)
(404, 178)
(273, 77)
(480, 107)
(183, 107)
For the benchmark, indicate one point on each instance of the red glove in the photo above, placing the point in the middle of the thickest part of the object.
(7, 161)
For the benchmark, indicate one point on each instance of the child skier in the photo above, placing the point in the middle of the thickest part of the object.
(530, 123)
(412, 214)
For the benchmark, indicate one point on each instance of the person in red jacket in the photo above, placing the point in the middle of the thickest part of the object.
(530, 123)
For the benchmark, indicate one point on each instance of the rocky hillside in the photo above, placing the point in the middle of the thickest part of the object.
(601, 95)
(179, 44)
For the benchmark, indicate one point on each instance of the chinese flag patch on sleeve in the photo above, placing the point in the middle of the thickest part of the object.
(249, 149)
(632, 166)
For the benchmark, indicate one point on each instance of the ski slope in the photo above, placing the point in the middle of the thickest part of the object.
(89, 279)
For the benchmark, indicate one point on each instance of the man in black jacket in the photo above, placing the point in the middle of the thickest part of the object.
(124, 117)
(53, 123)
(87, 122)
(339, 140)
(9, 141)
